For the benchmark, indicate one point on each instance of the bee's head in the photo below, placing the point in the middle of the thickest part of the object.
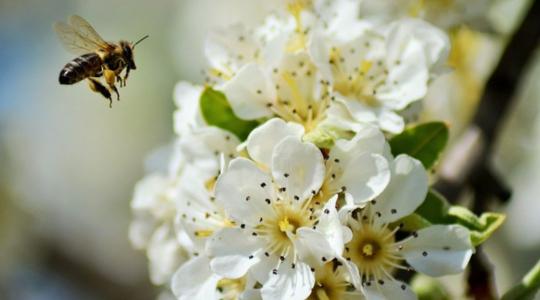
(127, 49)
(127, 53)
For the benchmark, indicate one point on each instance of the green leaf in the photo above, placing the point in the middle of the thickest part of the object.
(481, 227)
(428, 288)
(424, 142)
(413, 222)
(217, 111)
(527, 288)
(436, 210)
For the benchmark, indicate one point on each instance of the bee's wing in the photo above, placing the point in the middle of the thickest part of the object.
(79, 37)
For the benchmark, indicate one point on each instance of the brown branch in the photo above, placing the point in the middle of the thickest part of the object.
(494, 107)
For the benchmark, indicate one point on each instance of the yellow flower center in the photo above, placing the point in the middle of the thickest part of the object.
(359, 83)
(295, 89)
(373, 249)
(231, 288)
(330, 283)
(367, 250)
(286, 226)
(281, 229)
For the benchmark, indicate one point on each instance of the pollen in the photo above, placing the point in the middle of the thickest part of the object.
(210, 184)
(203, 233)
(367, 250)
(373, 249)
(280, 231)
(286, 226)
(330, 283)
(231, 288)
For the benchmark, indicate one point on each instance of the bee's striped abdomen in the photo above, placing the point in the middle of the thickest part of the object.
(84, 66)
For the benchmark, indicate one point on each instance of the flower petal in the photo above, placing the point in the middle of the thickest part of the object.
(358, 110)
(154, 194)
(406, 191)
(289, 283)
(228, 49)
(313, 246)
(251, 294)
(141, 229)
(388, 290)
(299, 167)
(369, 139)
(262, 140)
(326, 240)
(234, 252)
(329, 224)
(439, 250)
(186, 97)
(364, 177)
(164, 255)
(390, 121)
(202, 147)
(195, 280)
(406, 82)
(249, 93)
(242, 191)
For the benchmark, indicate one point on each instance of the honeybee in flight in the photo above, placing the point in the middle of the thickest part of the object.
(97, 57)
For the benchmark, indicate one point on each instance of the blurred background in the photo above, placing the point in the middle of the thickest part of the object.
(68, 163)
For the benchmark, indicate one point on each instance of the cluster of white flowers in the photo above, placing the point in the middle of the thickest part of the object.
(278, 216)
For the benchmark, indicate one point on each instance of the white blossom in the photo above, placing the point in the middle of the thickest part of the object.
(384, 70)
(280, 235)
(280, 215)
(374, 252)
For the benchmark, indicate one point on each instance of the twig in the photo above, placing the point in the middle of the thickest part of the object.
(494, 106)
(528, 286)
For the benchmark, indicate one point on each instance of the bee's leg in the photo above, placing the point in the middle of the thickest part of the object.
(120, 80)
(110, 78)
(97, 87)
(126, 75)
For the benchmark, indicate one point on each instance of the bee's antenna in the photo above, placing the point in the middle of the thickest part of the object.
(140, 40)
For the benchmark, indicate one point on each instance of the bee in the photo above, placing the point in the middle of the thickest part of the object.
(98, 58)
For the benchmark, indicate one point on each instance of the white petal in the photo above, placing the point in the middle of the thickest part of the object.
(153, 194)
(186, 97)
(141, 229)
(234, 250)
(406, 191)
(164, 255)
(202, 147)
(369, 139)
(242, 191)
(251, 294)
(359, 111)
(249, 93)
(331, 227)
(195, 280)
(263, 270)
(435, 42)
(227, 49)
(389, 290)
(197, 211)
(317, 49)
(364, 177)
(313, 247)
(406, 82)
(338, 116)
(289, 283)
(298, 166)
(439, 250)
(352, 269)
(390, 121)
(262, 140)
